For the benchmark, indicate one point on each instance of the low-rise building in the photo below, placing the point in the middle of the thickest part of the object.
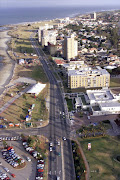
(103, 102)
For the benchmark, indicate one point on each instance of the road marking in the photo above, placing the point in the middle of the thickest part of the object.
(63, 173)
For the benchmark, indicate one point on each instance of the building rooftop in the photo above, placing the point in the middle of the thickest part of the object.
(100, 95)
(108, 104)
(87, 71)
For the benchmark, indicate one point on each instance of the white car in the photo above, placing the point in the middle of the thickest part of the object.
(50, 149)
(6, 169)
(64, 138)
(58, 143)
(28, 159)
(51, 144)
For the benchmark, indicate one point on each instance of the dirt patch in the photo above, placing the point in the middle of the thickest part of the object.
(99, 168)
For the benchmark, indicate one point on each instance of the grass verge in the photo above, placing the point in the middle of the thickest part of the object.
(69, 104)
(101, 157)
(114, 82)
(78, 162)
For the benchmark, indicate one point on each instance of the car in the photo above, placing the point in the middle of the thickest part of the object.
(9, 138)
(64, 138)
(4, 175)
(6, 169)
(58, 178)
(59, 154)
(88, 117)
(13, 175)
(40, 165)
(25, 143)
(51, 144)
(28, 159)
(50, 149)
(58, 143)
(0, 163)
(41, 161)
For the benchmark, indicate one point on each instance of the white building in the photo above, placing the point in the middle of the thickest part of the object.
(93, 16)
(43, 29)
(46, 36)
(103, 102)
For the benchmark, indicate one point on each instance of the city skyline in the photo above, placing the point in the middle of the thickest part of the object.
(50, 3)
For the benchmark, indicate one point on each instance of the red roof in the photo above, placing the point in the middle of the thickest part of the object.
(58, 61)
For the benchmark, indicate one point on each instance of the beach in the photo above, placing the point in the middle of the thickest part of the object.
(6, 72)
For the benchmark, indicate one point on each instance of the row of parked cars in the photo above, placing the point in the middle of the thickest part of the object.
(14, 138)
(40, 163)
(11, 157)
(3, 176)
(40, 169)
(30, 150)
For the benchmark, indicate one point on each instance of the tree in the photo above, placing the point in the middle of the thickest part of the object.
(30, 141)
(5, 144)
(81, 42)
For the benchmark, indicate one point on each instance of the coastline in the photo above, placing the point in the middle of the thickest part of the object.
(7, 70)
(96, 9)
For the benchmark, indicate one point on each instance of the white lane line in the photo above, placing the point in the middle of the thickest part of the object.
(63, 172)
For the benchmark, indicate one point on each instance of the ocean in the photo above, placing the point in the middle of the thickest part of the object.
(20, 15)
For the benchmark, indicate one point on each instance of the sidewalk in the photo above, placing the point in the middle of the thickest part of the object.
(115, 127)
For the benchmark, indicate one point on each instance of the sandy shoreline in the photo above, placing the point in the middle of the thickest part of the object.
(7, 69)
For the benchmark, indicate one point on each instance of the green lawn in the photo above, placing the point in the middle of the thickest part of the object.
(101, 157)
(114, 82)
(39, 75)
(69, 104)
(83, 99)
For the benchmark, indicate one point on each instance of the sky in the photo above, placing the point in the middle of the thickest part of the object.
(47, 3)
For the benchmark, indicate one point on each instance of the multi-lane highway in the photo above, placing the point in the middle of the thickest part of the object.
(60, 158)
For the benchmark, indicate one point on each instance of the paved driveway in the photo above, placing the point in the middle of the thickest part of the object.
(81, 121)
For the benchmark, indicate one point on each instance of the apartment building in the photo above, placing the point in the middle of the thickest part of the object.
(70, 47)
(93, 16)
(45, 27)
(48, 36)
(88, 78)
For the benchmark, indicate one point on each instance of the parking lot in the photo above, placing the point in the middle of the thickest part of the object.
(28, 172)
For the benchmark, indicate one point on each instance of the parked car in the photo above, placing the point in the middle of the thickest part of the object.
(28, 159)
(13, 175)
(6, 169)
